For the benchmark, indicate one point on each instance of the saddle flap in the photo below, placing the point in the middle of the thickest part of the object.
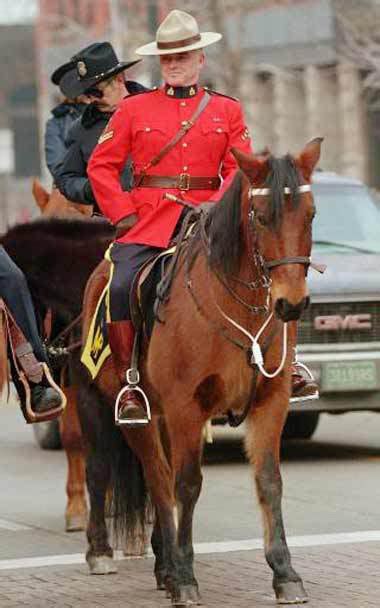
(143, 292)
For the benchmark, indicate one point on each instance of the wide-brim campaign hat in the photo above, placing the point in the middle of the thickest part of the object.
(179, 32)
(66, 78)
(99, 62)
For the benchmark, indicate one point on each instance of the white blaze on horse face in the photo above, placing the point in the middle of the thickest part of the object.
(176, 513)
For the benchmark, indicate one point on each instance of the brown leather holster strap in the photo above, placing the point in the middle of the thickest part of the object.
(185, 127)
(182, 182)
(22, 351)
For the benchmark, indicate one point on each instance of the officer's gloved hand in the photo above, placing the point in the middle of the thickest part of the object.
(125, 224)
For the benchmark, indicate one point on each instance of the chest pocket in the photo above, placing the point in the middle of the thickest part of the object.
(149, 137)
(215, 137)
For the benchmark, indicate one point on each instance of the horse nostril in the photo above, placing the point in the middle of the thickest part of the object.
(306, 302)
(280, 307)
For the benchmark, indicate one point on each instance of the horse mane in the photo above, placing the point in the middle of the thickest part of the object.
(224, 224)
(70, 229)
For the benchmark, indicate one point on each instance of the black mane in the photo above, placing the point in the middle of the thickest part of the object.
(72, 229)
(224, 226)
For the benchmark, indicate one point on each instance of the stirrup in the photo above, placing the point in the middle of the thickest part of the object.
(133, 378)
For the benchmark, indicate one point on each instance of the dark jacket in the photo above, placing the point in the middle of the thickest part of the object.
(56, 133)
(72, 179)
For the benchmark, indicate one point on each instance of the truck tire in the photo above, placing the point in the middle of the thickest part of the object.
(47, 435)
(300, 425)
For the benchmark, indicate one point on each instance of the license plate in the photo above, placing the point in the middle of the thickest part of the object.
(349, 376)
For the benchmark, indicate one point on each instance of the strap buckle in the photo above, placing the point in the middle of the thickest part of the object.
(184, 181)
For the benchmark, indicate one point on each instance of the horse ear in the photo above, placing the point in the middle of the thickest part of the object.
(255, 166)
(309, 157)
(41, 196)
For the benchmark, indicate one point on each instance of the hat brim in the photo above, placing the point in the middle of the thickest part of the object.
(121, 67)
(61, 71)
(70, 85)
(207, 38)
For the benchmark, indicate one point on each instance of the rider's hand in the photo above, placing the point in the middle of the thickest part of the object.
(125, 224)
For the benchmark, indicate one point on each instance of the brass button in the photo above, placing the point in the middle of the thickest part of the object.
(219, 130)
(184, 145)
(183, 104)
(185, 168)
(147, 129)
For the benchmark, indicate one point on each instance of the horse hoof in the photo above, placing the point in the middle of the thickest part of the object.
(291, 593)
(188, 596)
(101, 564)
(76, 523)
(160, 580)
(136, 547)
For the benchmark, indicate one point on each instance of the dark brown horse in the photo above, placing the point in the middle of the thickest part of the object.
(225, 346)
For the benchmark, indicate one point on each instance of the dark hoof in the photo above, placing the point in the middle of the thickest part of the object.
(160, 580)
(291, 593)
(188, 595)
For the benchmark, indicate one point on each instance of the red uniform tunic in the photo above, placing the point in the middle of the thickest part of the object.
(140, 128)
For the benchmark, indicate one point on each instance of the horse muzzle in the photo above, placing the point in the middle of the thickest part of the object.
(286, 311)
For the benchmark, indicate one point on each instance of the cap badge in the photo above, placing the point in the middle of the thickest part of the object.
(82, 68)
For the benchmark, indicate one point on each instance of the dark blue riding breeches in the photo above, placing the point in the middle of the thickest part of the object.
(127, 259)
(15, 292)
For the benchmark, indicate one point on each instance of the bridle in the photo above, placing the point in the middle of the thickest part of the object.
(268, 265)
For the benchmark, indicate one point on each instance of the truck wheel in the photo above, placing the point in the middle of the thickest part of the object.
(47, 435)
(300, 425)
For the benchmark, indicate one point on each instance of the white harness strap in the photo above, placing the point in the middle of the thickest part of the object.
(266, 191)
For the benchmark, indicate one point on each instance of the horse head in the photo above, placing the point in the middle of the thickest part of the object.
(56, 205)
(277, 214)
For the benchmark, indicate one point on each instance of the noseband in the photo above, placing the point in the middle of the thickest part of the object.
(298, 259)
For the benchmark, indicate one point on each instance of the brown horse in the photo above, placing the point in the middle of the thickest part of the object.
(54, 204)
(240, 279)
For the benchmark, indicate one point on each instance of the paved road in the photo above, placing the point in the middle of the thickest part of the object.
(331, 498)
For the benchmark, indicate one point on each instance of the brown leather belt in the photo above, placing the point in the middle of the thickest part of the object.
(184, 181)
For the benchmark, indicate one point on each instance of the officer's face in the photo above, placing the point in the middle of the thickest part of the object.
(112, 90)
(182, 69)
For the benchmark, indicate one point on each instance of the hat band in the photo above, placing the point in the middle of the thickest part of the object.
(178, 43)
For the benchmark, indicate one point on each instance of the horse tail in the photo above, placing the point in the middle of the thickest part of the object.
(129, 505)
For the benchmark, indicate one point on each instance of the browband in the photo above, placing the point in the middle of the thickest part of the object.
(265, 191)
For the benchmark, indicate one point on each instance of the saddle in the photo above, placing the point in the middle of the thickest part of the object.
(25, 367)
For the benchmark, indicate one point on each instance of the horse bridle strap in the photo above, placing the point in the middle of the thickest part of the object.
(266, 191)
(299, 259)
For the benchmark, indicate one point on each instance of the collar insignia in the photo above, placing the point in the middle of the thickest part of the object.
(170, 91)
(192, 91)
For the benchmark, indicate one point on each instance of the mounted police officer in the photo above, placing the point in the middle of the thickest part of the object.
(192, 168)
(63, 116)
(29, 350)
(100, 76)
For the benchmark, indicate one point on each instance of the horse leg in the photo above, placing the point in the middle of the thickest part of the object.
(147, 446)
(263, 446)
(71, 437)
(96, 423)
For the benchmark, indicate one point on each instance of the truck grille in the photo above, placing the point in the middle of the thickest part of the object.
(307, 334)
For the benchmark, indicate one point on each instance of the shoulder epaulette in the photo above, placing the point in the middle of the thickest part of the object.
(212, 92)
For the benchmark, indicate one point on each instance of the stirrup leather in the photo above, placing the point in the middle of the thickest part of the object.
(133, 378)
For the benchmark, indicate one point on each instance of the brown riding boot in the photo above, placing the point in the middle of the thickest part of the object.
(304, 387)
(121, 336)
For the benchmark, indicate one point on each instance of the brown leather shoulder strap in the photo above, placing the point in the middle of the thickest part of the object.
(186, 126)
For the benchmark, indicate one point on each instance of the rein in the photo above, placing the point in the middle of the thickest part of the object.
(56, 349)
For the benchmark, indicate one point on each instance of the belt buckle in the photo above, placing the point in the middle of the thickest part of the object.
(184, 181)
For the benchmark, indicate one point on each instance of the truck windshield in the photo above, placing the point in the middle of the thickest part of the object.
(347, 219)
